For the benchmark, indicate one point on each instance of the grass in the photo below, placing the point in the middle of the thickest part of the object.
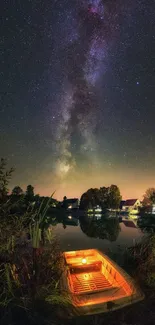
(30, 270)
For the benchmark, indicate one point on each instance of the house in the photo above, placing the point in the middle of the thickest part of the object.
(72, 203)
(153, 209)
(130, 206)
(122, 204)
(149, 209)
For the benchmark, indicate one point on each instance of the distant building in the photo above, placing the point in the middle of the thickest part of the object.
(72, 203)
(130, 206)
(122, 203)
(149, 209)
(153, 209)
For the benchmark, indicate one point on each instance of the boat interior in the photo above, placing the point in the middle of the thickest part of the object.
(92, 273)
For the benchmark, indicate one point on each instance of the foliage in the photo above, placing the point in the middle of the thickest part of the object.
(91, 197)
(30, 193)
(106, 197)
(5, 176)
(147, 224)
(144, 256)
(113, 197)
(105, 228)
(65, 203)
(149, 196)
(17, 191)
(30, 268)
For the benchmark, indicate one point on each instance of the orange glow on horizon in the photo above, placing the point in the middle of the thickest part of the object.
(76, 184)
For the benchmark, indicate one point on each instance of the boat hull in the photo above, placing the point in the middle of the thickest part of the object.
(97, 286)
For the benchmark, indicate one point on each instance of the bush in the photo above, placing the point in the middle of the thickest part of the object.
(30, 269)
(143, 256)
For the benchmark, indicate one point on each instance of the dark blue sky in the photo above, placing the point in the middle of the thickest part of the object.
(78, 93)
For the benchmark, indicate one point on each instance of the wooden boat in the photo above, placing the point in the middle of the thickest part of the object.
(96, 284)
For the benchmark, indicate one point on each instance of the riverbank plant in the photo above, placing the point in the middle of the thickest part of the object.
(30, 268)
(143, 255)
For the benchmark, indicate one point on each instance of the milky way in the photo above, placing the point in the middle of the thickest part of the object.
(85, 64)
(77, 94)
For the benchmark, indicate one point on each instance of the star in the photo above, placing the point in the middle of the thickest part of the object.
(77, 95)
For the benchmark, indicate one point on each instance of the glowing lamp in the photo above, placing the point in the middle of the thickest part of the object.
(84, 261)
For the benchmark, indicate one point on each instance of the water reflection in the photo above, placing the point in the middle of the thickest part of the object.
(129, 223)
(101, 228)
(103, 233)
(146, 224)
(65, 220)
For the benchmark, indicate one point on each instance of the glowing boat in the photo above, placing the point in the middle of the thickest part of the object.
(96, 284)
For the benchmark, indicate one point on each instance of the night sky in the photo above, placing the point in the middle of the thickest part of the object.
(77, 94)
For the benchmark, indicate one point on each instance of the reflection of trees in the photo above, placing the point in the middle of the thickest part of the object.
(64, 220)
(104, 228)
(146, 224)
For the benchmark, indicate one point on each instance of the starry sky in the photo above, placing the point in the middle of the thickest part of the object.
(77, 94)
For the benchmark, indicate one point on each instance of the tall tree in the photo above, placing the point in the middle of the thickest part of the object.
(92, 196)
(5, 176)
(114, 197)
(30, 193)
(17, 191)
(104, 197)
(149, 196)
(65, 203)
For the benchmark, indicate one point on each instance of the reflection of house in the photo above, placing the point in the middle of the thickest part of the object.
(129, 223)
(130, 206)
(96, 209)
(70, 221)
(72, 203)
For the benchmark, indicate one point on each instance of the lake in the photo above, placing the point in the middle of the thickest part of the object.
(105, 234)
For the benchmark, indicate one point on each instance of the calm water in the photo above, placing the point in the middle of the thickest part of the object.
(104, 234)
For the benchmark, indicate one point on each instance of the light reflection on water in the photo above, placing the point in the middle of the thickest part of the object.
(101, 234)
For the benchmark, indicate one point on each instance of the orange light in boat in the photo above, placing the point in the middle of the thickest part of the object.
(84, 261)
(94, 280)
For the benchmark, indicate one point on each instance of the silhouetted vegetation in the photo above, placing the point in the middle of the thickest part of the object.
(106, 197)
(30, 259)
(147, 224)
(5, 176)
(149, 197)
(105, 228)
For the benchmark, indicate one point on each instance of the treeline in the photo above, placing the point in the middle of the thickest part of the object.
(19, 201)
(105, 197)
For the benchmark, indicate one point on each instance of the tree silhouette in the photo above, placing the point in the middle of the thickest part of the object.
(91, 197)
(17, 191)
(147, 225)
(103, 229)
(113, 197)
(5, 176)
(106, 197)
(30, 193)
(149, 196)
(65, 203)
